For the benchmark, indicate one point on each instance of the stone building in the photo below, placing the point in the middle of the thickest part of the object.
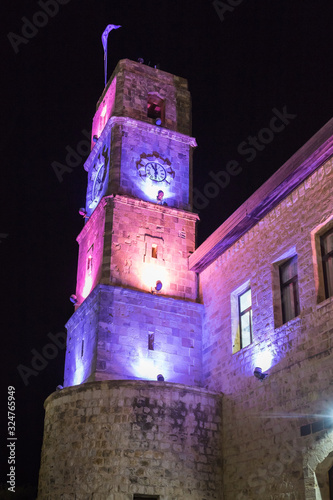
(193, 374)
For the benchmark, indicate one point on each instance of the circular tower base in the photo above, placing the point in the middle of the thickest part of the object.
(125, 440)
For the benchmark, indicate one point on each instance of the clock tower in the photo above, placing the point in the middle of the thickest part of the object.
(139, 229)
(133, 420)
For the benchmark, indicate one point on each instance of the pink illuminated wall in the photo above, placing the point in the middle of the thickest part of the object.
(90, 254)
(136, 227)
(104, 111)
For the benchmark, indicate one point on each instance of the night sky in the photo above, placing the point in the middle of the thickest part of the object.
(245, 61)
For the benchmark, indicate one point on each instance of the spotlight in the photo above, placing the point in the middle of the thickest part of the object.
(73, 299)
(160, 378)
(59, 387)
(259, 374)
(160, 195)
(157, 288)
(95, 138)
(158, 122)
(83, 212)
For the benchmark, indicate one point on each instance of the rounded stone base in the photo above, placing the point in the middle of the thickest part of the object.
(117, 440)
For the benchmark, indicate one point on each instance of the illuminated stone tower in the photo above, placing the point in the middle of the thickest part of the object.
(133, 242)
(115, 432)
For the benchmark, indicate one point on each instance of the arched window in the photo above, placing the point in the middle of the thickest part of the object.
(330, 482)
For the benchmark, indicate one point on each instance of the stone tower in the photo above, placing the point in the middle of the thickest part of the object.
(133, 420)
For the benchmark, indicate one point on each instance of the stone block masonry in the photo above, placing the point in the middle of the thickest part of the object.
(114, 439)
(108, 338)
(135, 81)
(119, 238)
(265, 455)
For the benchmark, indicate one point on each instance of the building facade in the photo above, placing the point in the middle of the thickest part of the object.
(160, 397)
(266, 285)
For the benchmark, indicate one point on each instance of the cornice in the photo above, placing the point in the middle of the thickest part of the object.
(162, 132)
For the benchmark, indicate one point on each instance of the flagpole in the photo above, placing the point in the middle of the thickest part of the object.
(105, 67)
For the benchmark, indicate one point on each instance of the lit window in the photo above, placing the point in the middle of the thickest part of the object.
(289, 289)
(90, 259)
(241, 317)
(155, 107)
(154, 251)
(326, 245)
(245, 318)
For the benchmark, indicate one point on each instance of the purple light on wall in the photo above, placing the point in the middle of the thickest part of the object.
(264, 359)
(79, 373)
(150, 189)
(147, 368)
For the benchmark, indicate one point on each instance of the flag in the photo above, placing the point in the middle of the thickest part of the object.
(106, 34)
(105, 44)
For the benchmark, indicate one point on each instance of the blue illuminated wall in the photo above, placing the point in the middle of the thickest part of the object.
(144, 143)
(114, 324)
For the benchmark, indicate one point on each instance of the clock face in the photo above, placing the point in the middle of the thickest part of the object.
(98, 178)
(99, 181)
(155, 171)
(152, 168)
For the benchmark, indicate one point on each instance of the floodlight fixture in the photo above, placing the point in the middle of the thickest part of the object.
(73, 299)
(259, 374)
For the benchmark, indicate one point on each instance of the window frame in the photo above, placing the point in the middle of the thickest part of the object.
(154, 101)
(237, 342)
(286, 286)
(330, 482)
(325, 257)
(241, 314)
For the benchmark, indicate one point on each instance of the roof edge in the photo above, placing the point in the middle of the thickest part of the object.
(292, 173)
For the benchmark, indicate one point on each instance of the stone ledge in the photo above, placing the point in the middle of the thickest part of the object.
(164, 133)
(139, 385)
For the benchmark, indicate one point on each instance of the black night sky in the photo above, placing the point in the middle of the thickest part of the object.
(243, 59)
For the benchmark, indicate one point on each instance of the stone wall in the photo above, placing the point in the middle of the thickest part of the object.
(265, 455)
(91, 245)
(132, 227)
(135, 81)
(111, 440)
(133, 143)
(118, 239)
(108, 338)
